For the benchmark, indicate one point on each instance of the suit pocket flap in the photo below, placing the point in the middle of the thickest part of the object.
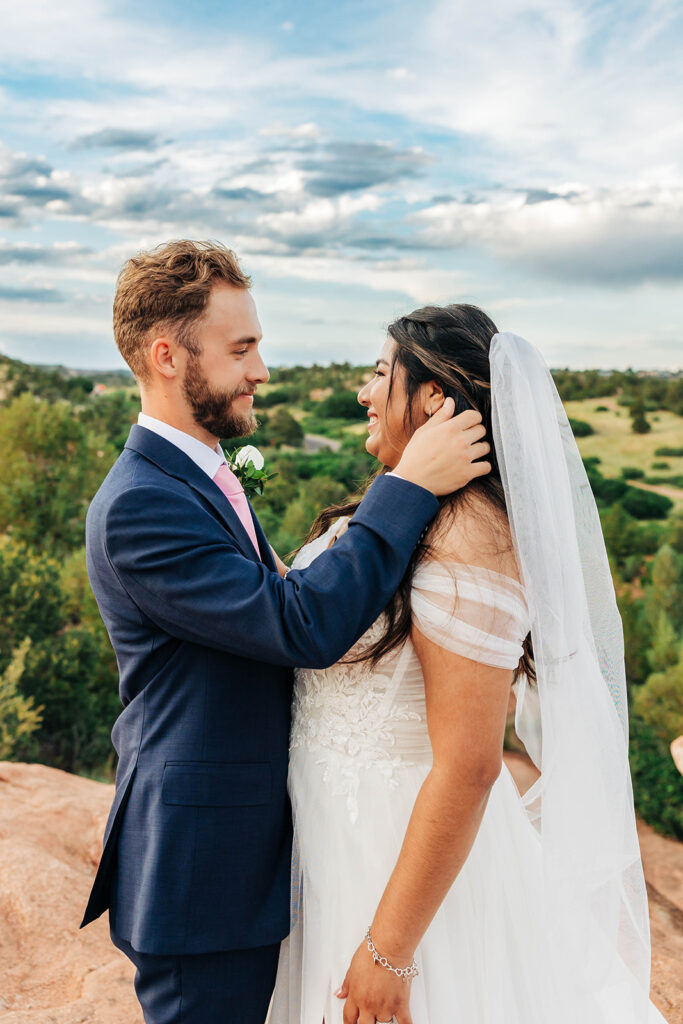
(210, 784)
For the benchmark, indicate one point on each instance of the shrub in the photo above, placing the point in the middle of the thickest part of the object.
(284, 429)
(601, 408)
(646, 504)
(656, 780)
(659, 702)
(50, 469)
(344, 405)
(279, 396)
(660, 465)
(18, 715)
(632, 473)
(672, 481)
(672, 452)
(579, 428)
(69, 668)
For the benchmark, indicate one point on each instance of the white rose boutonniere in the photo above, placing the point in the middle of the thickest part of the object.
(247, 464)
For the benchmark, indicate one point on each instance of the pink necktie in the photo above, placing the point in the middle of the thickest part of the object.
(228, 483)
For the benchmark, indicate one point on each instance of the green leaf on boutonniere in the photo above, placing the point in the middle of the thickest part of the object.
(247, 465)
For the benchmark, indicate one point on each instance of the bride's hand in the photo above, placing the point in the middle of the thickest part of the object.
(373, 993)
(440, 455)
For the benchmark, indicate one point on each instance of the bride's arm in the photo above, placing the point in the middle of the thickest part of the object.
(466, 711)
(279, 564)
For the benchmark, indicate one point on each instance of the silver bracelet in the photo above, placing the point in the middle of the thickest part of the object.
(404, 973)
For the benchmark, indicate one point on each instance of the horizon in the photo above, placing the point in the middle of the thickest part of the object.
(537, 175)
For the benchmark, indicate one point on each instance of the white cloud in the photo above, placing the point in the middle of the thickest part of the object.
(574, 233)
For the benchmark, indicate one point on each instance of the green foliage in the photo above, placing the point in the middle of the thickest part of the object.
(51, 467)
(673, 533)
(657, 783)
(660, 465)
(640, 424)
(280, 396)
(70, 667)
(18, 715)
(343, 405)
(672, 452)
(284, 429)
(659, 702)
(632, 473)
(110, 416)
(672, 481)
(664, 591)
(580, 428)
(602, 408)
(646, 504)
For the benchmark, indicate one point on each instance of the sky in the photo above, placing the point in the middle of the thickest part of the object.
(362, 159)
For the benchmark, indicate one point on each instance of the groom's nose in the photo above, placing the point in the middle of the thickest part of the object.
(258, 371)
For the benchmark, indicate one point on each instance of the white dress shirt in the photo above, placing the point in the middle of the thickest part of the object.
(208, 459)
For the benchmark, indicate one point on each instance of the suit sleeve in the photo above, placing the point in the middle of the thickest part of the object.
(185, 572)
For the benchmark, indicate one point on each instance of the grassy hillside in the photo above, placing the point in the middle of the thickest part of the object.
(618, 447)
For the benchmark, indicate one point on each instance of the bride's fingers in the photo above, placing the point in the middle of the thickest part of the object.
(350, 1012)
(403, 1018)
(343, 990)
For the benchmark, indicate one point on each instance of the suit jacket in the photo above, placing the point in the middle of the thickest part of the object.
(198, 842)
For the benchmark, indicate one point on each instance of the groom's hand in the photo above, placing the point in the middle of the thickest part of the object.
(440, 455)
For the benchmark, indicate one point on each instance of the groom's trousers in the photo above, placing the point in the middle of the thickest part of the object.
(204, 988)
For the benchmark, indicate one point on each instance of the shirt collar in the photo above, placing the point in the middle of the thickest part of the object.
(208, 459)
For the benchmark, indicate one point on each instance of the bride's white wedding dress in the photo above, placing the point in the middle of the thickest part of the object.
(360, 752)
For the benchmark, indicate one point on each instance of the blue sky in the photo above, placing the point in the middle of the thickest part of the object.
(362, 158)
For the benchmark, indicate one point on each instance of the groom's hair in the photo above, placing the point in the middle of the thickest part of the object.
(168, 288)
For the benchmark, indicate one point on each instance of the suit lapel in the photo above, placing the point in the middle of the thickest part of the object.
(264, 546)
(169, 458)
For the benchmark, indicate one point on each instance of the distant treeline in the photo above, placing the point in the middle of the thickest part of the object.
(294, 383)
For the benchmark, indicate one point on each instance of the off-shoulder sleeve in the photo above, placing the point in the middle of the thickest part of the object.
(475, 612)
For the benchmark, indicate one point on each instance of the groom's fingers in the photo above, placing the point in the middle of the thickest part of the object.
(474, 433)
(480, 468)
(444, 413)
(479, 449)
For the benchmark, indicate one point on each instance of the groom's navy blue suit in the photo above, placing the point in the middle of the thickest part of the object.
(197, 846)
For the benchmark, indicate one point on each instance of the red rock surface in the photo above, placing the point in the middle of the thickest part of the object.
(51, 973)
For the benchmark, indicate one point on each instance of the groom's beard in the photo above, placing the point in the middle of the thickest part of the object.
(213, 409)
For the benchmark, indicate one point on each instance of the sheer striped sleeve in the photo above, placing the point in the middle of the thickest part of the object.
(472, 611)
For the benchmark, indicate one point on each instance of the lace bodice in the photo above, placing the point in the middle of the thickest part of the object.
(354, 717)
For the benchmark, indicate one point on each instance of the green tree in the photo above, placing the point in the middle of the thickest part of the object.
(659, 702)
(640, 424)
(284, 429)
(646, 504)
(69, 668)
(50, 469)
(664, 592)
(18, 715)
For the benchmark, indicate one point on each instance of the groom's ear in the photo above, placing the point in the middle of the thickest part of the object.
(164, 357)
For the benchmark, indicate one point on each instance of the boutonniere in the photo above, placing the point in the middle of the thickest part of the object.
(247, 465)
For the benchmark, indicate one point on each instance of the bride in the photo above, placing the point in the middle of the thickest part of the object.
(426, 890)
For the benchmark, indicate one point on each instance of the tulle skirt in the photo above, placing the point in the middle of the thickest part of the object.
(488, 956)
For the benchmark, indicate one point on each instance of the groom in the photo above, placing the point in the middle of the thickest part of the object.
(195, 870)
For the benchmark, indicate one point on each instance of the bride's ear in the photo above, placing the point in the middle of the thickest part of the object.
(432, 397)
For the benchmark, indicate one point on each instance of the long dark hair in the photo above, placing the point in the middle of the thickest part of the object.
(448, 345)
